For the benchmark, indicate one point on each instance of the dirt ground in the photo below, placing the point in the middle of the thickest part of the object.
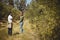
(28, 34)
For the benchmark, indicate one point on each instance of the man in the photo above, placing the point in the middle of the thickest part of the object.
(10, 24)
(21, 23)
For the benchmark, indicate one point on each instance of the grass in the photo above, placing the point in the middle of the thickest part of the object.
(27, 35)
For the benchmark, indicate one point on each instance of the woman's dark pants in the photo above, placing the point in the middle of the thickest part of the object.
(10, 31)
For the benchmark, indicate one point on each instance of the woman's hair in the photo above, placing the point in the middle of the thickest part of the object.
(10, 13)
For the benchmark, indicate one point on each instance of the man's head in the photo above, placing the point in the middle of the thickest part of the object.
(21, 14)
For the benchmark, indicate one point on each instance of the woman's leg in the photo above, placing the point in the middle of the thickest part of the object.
(10, 29)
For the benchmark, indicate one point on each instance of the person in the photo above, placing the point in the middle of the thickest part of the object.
(10, 23)
(21, 23)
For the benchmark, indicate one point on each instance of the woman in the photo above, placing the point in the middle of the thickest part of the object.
(10, 24)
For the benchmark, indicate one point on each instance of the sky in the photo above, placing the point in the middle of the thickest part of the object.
(28, 1)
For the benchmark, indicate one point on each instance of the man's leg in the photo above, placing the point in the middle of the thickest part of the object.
(21, 27)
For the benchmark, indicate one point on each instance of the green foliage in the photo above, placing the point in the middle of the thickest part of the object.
(15, 13)
(5, 9)
(44, 18)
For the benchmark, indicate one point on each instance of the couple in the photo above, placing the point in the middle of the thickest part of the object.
(10, 24)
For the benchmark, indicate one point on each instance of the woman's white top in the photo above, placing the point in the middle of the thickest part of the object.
(9, 19)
